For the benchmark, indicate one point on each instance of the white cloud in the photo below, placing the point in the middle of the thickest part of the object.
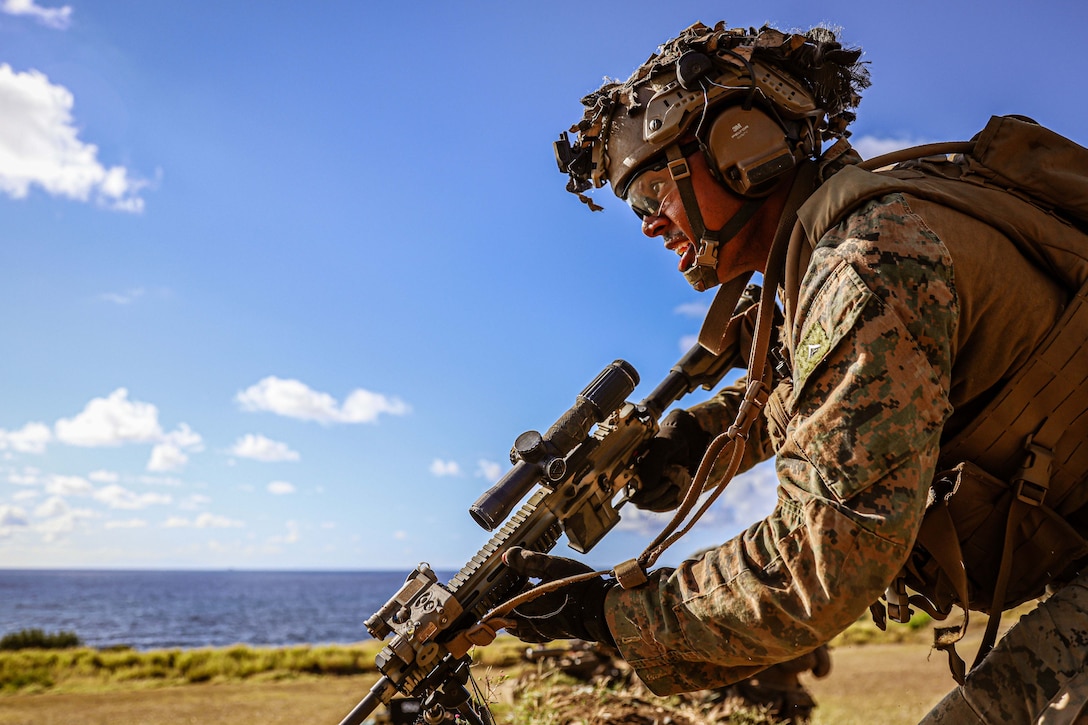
(123, 298)
(294, 399)
(166, 457)
(25, 495)
(645, 523)
(40, 145)
(203, 521)
(116, 420)
(103, 476)
(211, 521)
(52, 506)
(68, 486)
(439, 467)
(126, 524)
(872, 146)
(291, 537)
(28, 477)
(31, 438)
(64, 522)
(687, 341)
(692, 309)
(53, 529)
(281, 488)
(751, 496)
(184, 437)
(195, 501)
(117, 497)
(489, 470)
(57, 18)
(160, 480)
(111, 421)
(259, 448)
(11, 517)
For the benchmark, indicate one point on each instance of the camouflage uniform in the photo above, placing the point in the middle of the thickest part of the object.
(909, 313)
(1034, 674)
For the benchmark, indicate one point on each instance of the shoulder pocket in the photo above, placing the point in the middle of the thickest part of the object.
(832, 314)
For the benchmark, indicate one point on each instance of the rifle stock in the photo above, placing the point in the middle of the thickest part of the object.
(579, 469)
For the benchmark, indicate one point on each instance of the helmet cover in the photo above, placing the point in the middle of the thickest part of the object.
(808, 83)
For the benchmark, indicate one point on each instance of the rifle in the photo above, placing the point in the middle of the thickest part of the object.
(579, 469)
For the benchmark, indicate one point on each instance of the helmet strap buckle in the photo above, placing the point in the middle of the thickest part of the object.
(707, 253)
(679, 169)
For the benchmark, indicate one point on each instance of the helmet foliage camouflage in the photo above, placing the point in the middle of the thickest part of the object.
(803, 85)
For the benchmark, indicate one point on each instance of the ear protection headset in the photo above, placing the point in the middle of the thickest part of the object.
(748, 146)
(749, 149)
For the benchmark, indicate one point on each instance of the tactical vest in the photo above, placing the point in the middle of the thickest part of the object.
(1009, 505)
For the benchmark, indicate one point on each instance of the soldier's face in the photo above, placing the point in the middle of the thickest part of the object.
(654, 197)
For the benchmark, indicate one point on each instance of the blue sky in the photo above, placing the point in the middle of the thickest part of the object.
(283, 281)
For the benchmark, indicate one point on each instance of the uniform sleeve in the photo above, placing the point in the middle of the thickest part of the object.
(871, 369)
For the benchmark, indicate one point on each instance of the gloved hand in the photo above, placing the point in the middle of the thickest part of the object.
(670, 461)
(574, 612)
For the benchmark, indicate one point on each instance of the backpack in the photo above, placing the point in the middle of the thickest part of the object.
(1013, 481)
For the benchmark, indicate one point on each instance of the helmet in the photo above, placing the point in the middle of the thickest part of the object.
(756, 103)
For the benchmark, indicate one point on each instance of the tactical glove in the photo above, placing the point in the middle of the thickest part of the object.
(575, 611)
(670, 461)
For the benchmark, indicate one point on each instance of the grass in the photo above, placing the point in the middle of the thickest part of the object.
(38, 639)
(42, 667)
(890, 677)
(893, 684)
(83, 668)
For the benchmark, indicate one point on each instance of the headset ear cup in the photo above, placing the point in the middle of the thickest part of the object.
(750, 150)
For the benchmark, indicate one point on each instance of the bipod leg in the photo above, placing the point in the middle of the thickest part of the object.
(380, 693)
(454, 699)
(454, 696)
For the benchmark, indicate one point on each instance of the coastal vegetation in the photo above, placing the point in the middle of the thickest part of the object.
(246, 685)
(33, 661)
(39, 639)
(893, 684)
(83, 668)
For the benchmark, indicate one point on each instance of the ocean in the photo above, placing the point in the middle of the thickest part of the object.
(188, 609)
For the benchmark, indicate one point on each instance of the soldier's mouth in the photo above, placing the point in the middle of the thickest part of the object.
(686, 250)
(679, 243)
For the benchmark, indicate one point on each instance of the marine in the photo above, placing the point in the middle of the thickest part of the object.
(921, 389)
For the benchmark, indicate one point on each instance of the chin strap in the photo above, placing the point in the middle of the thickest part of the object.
(704, 273)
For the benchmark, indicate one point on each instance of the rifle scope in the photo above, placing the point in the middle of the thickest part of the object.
(539, 457)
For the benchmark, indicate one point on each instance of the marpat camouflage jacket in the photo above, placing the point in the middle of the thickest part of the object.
(909, 313)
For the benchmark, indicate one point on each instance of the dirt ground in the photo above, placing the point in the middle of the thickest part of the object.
(325, 700)
(891, 684)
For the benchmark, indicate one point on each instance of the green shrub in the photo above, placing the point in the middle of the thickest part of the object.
(38, 639)
(34, 670)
